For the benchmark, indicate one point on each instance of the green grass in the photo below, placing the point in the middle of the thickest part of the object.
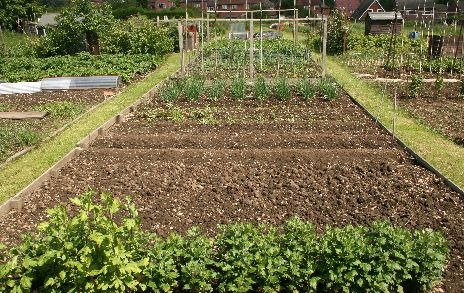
(438, 150)
(18, 174)
(12, 138)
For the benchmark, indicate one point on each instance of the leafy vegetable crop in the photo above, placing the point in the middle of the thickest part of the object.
(102, 248)
(83, 64)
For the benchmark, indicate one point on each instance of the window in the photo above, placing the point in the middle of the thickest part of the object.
(370, 10)
(210, 8)
(234, 7)
(162, 5)
(197, 5)
(380, 10)
(428, 12)
(224, 7)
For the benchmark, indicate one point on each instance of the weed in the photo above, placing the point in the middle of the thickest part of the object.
(16, 137)
(216, 90)
(204, 115)
(62, 109)
(171, 91)
(306, 89)
(261, 89)
(194, 88)
(26, 137)
(415, 85)
(328, 89)
(238, 88)
(282, 88)
(4, 107)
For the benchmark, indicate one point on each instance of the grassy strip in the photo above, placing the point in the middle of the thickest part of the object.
(439, 151)
(18, 174)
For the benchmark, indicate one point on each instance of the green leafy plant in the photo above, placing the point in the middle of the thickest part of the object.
(101, 247)
(238, 88)
(306, 89)
(415, 85)
(328, 89)
(170, 92)
(194, 88)
(62, 109)
(261, 89)
(89, 252)
(204, 115)
(439, 84)
(216, 90)
(282, 88)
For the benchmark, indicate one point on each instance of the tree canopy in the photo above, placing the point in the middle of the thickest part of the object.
(12, 10)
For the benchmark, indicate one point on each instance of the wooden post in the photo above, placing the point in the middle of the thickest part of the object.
(251, 46)
(157, 20)
(324, 48)
(181, 47)
(207, 27)
(296, 26)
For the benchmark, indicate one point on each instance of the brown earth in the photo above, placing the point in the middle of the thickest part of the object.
(324, 161)
(46, 126)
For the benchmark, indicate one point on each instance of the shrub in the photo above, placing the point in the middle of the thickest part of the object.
(282, 88)
(328, 89)
(102, 248)
(261, 89)
(137, 35)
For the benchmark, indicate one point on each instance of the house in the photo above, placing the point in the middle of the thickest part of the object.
(229, 8)
(377, 23)
(347, 6)
(159, 5)
(421, 10)
(365, 7)
(39, 28)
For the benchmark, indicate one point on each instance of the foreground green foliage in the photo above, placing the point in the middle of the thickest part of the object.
(83, 64)
(102, 248)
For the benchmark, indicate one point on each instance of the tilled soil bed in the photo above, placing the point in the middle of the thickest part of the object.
(62, 106)
(193, 165)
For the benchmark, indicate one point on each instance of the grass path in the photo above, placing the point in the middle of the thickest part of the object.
(19, 173)
(439, 151)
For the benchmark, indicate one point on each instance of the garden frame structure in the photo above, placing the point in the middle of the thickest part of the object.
(250, 40)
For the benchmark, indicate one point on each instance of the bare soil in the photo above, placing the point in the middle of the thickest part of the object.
(46, 126)
(324, 161)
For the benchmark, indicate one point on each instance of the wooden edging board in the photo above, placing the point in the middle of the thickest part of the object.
(16, 202)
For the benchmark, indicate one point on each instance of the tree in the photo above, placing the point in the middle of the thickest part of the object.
(12, 10)
(80, 20)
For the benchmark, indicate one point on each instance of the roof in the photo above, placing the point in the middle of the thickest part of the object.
(384, 15)
(359, 12)
(48, 19)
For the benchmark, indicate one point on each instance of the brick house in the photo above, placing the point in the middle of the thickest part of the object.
(421, 10)
(228, 8)
(365, 7)
(159, 5)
